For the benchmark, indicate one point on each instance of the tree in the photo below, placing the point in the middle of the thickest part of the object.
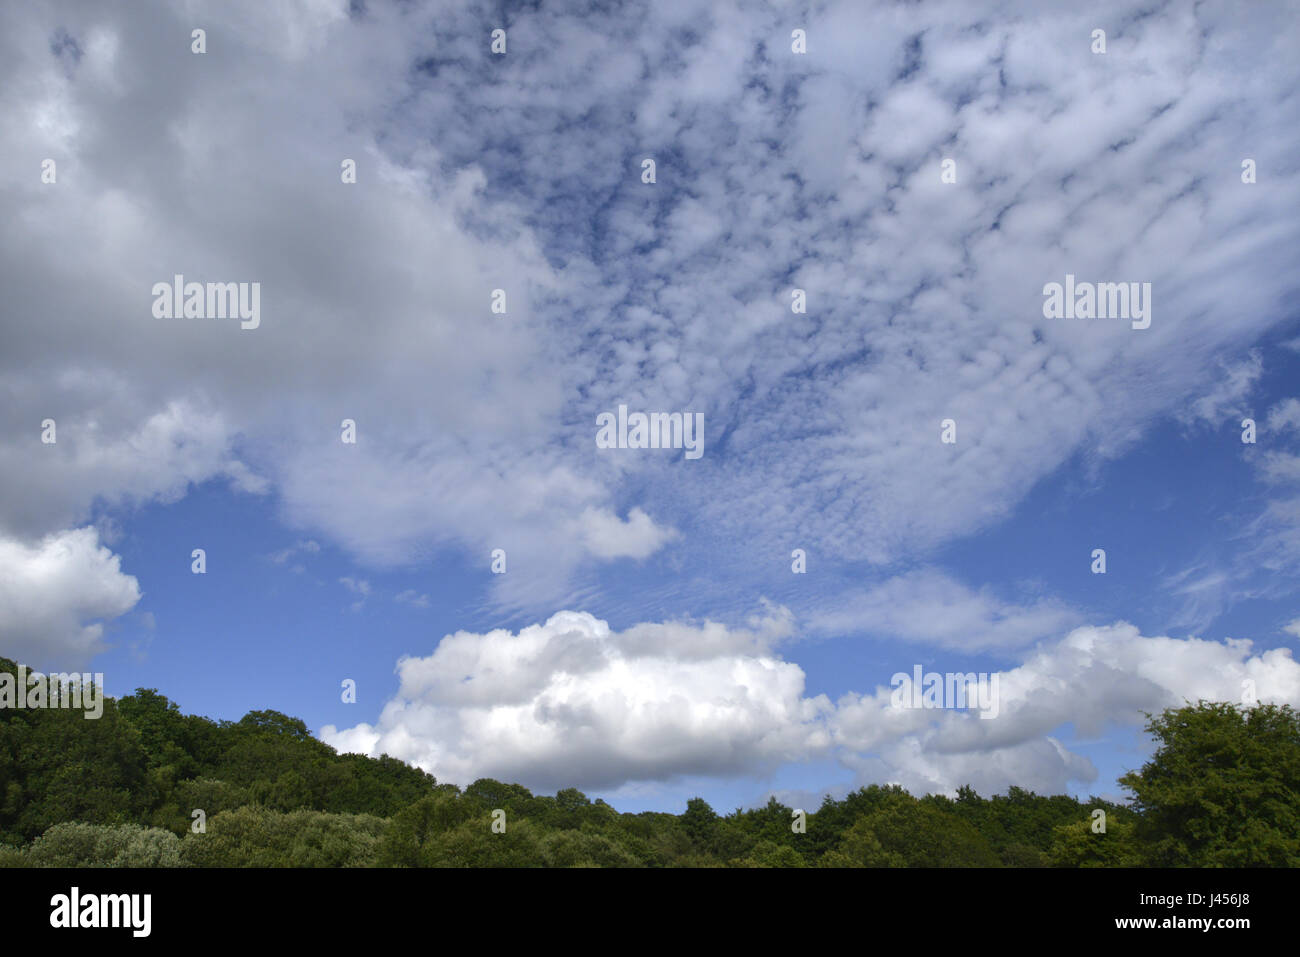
(1078, 845)
(860, 847)
(701, 824)
(260, 837)
(411, 836)
(75, 844)
(917, 834)
(1222, 789)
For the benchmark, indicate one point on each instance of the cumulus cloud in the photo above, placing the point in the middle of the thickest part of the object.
(1095, 678)
(573, 703)
(104, 450)
(57, 595)
(608, 536)
(176, 403)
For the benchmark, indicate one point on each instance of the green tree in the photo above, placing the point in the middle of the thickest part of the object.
(701, 825)
(909, 833)
(1222, 789)
(261, 837)
(1077, 845)
(859, 847)
(411, 835)
(74, 844)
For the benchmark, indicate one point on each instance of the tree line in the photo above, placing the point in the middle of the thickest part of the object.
(148, 786)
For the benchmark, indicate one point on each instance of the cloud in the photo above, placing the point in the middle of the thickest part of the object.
(775, 171)
(412, 598)
(573, 703)
(607, 536)
(105, 449)
(930, 607)
(1280, 468)
(1284, 416)
(308, 547)
(1226, 399)
(57, 595)
(357, 587)
(1095, 678)
(1274, 532)
(1265, 545)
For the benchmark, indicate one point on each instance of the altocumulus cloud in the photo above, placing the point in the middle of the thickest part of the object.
(519, 172)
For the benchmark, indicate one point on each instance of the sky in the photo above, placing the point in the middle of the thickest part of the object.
(512, 597)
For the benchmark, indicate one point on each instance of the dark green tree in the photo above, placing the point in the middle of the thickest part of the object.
(1222, 789)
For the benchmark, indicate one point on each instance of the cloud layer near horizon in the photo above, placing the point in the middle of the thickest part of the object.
(571, 703)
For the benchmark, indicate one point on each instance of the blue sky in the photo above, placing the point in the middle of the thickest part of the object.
(648, 640)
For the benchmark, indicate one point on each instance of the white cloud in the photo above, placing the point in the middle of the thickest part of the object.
(1226, 400)
(573, 703)
(413, 598)
(55, 597)
(1095, 678)
(1280, 467)
(775, 169)
(309, 546)
(119, 452)
(1285, 415)
(607, 536)
(930, 607)
(357, 586)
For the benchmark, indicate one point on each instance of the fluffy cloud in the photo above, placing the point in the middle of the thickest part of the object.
(117, 452)
(1096, 678)
(56, 596)
(608, 536)
(573, 703)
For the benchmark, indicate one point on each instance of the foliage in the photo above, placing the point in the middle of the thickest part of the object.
(75, 844)
(261, 837)
(1222, 789)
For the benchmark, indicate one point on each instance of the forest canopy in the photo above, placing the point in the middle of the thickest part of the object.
(147, 786)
